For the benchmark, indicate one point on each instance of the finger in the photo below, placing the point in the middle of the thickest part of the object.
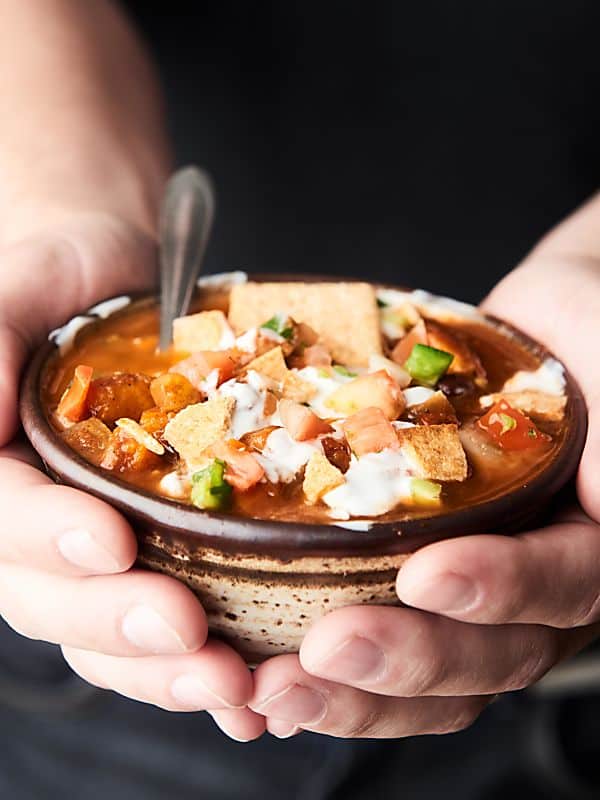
(13, 349)
(137, 613)
(214, 677)
(282, 729)
(284, 691)
(550, 576)
(565, 281)
(406, 653)
(240, 724)
(59, 529)
(90, 257)
(587, 478)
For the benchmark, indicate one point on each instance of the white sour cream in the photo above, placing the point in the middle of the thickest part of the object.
(362, 525)
(249, 411)
(210, 383)
(222, 280)
(417, 395)
(374, 484)
(65, 336)
(549, 377)
(283, 457)
(325, 384)
(442, 307)
(247, 341)
(108, 307)
(174, 485)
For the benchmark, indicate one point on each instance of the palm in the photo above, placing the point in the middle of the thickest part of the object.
(61, 551)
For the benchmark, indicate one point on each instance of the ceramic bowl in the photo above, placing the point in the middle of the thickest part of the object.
(264, 583)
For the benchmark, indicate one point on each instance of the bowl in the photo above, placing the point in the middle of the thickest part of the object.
(263, 583)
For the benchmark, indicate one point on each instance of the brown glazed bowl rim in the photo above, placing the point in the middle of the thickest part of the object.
(296, 539)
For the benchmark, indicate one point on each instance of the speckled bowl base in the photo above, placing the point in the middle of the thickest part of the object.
(275, 601)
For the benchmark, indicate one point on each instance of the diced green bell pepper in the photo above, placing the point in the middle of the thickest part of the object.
(210, 490)
(426, 364)
(280, 324)
(344, 371)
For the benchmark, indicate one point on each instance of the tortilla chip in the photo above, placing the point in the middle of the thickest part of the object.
(434, 452)
(202, 331)
(537, 405)
(320, 477)
(198, 426)
(345, 315)
(272, 364)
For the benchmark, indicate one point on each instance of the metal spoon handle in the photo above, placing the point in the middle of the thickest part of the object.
(185, 223)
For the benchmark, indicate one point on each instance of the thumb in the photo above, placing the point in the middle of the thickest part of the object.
(46, 280)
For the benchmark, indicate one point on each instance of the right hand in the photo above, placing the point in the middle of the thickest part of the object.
(66, 558)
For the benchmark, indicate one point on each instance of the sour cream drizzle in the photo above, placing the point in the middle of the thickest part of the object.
(249, 411)
(325, 385)
(549, 377)
(375, 483)
(283, 457)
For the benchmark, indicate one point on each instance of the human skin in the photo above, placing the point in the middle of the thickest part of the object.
(485, 614)
(77, 224)
(83, 159)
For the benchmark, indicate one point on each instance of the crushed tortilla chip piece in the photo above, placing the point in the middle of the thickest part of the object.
(272, 364)
(345, 315)
(435, 452)
(141, 435)
(198, 426)
(320, 477)
(207, 330)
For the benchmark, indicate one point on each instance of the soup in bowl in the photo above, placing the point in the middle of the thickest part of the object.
(300, 438)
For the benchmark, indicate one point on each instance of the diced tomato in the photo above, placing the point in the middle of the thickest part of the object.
(417, 335)
(511, 429)
(369, 431)
(73, 403)
(301, 423)
(243, 471)
(199, 365)
(375, 389)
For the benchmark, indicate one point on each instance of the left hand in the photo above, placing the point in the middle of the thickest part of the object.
(489, 614)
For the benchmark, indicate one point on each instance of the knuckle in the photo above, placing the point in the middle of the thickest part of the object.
(534, 664)
(587, 613)
(428, 673)
(366, 725)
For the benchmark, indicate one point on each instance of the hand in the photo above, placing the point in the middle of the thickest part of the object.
(488, 614)
(66, 557)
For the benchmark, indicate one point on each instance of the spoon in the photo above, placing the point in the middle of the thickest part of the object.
(186, 218)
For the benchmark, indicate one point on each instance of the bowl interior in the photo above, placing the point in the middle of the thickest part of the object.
(504, 513)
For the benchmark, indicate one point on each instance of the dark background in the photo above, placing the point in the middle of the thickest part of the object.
(427, 142)
(430, 142)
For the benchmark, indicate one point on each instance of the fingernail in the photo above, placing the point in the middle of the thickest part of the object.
(146, 629)
(190, 692)
(448, 593)
(282, 729)
(295, 703)
(221, 726)
(354, 659)
(81, 549)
